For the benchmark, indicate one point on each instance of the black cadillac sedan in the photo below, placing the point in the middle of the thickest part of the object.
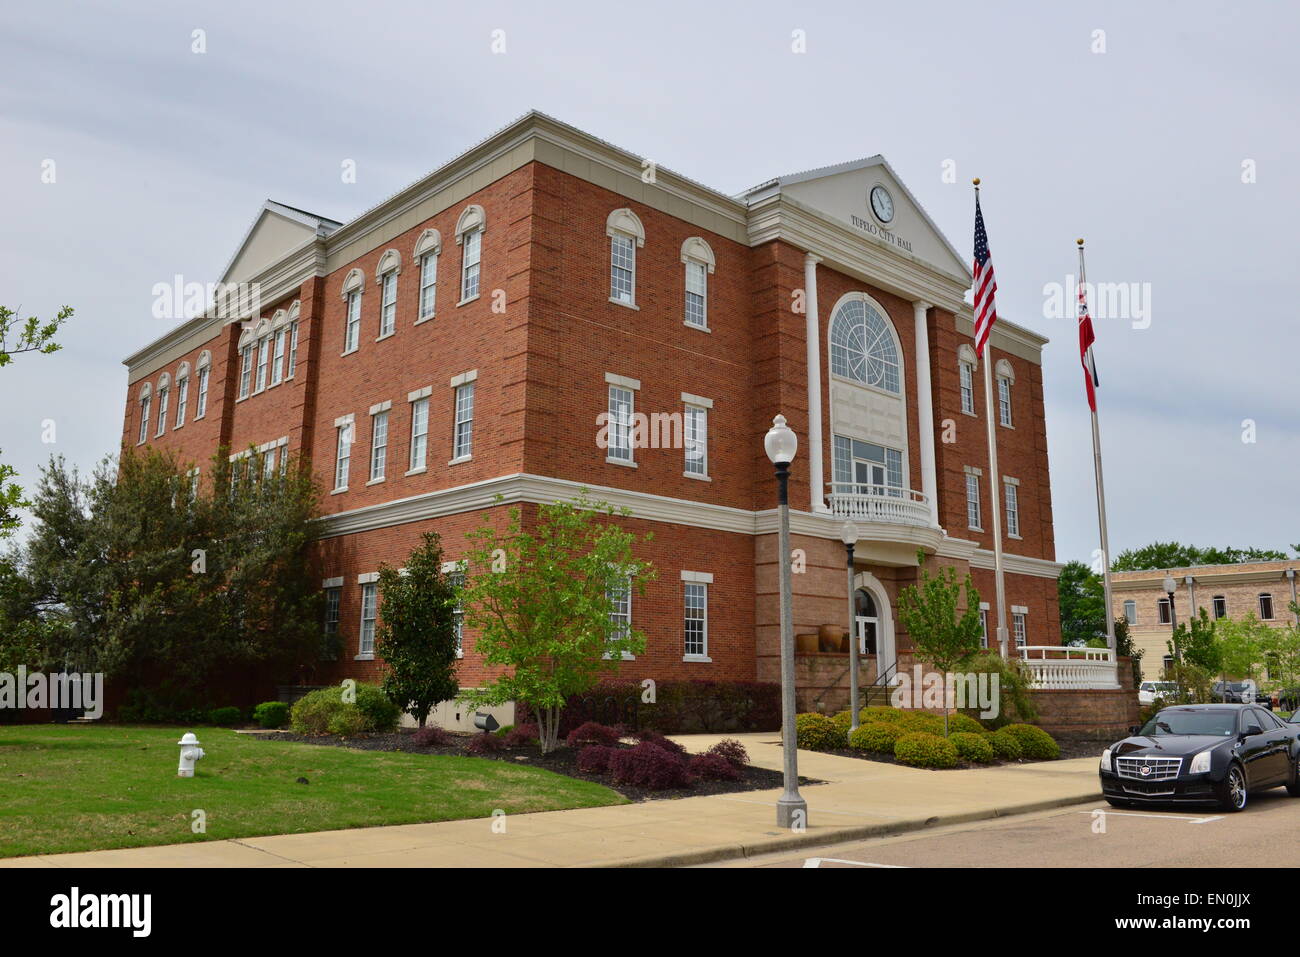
(1202, 754)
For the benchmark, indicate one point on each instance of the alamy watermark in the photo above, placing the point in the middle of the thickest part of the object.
(1106, 300)
(968, 689)
(61, 691)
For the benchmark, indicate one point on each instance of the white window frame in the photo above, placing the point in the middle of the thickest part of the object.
(1164, 612)
(163, 390)
(622, 613)
(1215, 603)
(697, 582)
(146, 414)
(263, 362)
(1131, 611)
(984, 624)
(277, 356)
(455, 572)
(419, 448)
(1011, 505)
(696, 409)
(462, 426)
(333, 608)
(369, 616)
(698, 261)
(966, 377)
(428, 306)
(1019, 625)
(625, 232)
(182, 399)
(471, 266)
(352, 323)
(974, 508)
(387, 304)
(1006, 378)
(293, 350)
(620, 434)
(245, 369)
(345, 436)
(1263, 597)
(379, 441)
(201, 400)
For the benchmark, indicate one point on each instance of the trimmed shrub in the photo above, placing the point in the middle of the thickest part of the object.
(271, 714)
(378, 709)
(654, 737)
(881, 713)
(818, 732)
(712, 767)
(484, 743)
(963, 723)
(972, 747)
(843, 720)
(732, 750)
(876, 737)
(431, 736)
(592, 733)
(1015, 701)
(649, 766)
(923, 750)
(372, 711)
(521, 735)
(1035, 743)
(594, 759)
(346, 723)
(681, 706)
(922, 721)
(1005, 746)
(225, 717)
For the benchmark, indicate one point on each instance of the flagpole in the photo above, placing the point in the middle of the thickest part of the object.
(1101, 493)
(995, 480)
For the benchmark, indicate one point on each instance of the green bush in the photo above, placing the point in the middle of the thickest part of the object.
(923, 750)
(843, 720)
(963, 723)
(1035, 743)
(1015, 702)
(271, 714)
(314, 713)
(881, 713)
(225, 717)
(972, 747)
(1005, 746)
(922, 721)
(818, 732)
(876, 737)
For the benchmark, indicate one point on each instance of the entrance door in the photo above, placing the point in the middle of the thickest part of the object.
(869, 477)
(868, 623)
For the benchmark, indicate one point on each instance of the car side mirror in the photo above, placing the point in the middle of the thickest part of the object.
(1135, 729)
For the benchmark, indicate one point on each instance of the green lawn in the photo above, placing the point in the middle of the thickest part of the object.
(86, 787)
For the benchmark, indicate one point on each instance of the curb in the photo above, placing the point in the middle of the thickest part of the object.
(839, 835)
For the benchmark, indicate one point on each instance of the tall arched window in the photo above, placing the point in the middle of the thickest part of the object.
(863, 347)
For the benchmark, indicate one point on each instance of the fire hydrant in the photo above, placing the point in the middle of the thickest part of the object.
(190, 752)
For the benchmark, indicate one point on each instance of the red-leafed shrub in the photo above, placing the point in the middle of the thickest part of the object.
(732, 750)
(712, 767)
(594, 759)
(680, 706)
(520, 736)
(431, 736)
(648, 736)
(593, 733)
(485, 743)
(648, 766)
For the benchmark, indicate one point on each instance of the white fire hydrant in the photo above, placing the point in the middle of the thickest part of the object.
(190, 752)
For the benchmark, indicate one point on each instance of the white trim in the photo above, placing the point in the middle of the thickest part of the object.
(342, 420)
(700, 578)
(625, 222)
(697, 400)
(381, 406)
(623, 381)
(1019, 610)
(471, 218)
(419, 394)
(354, 281)
(697, 250)
(368, 578)
(430, 241)
(463, 378)
(332, 582)
(390, 261)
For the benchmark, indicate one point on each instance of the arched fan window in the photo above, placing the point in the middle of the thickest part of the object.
(863, 347)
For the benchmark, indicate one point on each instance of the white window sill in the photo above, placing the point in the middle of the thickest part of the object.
(974, 528)
(1016, 537)
(376, 481)
(691, 325)
(385, 335)
(417, 471)
(465, 302)
(702, 659)
(178, 425)
(1005, 426)
(338, 491)
(370, 657)
(348, 352)
(973, 415)
(698, 478)
(460, 653)
(463, 458)
(424, 318)
(623, 462)
(274, 384)
(197, 417)
(624, 303)
(141, 442)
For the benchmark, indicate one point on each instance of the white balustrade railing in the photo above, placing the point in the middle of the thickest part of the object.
(879, 503)
(1055, 667)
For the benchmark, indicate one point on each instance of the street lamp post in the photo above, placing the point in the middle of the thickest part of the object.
(1170, 584)
(849, 536)
(781, 443)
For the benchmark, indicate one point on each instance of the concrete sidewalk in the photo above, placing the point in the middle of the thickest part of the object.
(860, 799)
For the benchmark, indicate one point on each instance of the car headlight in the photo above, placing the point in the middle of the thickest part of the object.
(1201, 763)
(1105, 760)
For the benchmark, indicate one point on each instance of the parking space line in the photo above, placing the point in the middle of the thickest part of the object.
(1159, 817)
(817, 862)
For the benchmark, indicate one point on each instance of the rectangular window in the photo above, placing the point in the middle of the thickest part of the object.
(697, 290)
(343, 457)
(293, 351)
(471, 249)
(333, 599)
(201, 406)
(419, 432)
(162, 411)
(1018, 628)
(245, 370)
(182, 400)
(1011, 492)
(1220, 604)
(277, 359)
(967, 387)
(352, 333)
(973, 502)
(378, 445)
(1162, 611)
(696, 440)
(268, 465)
(620, 616)
(369, 608)
(984, 627)
(388, 305)
(1265, 607)
(697, 620)
(1131, 611)
(620, 424)
(194, 483)
(463, 443)
(622, 269)
(1004, 400)
(865, 468)
(457, 581)
(144, 419)
(263, 358)
(428, 285)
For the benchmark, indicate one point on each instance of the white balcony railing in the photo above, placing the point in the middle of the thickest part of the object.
(1055, 667)
(879, 503)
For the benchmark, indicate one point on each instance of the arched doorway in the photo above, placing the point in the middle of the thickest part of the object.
(874, 620)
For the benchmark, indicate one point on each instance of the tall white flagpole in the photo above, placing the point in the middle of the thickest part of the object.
(1101, 486)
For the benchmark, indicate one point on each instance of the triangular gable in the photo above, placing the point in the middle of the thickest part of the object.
(276, 230)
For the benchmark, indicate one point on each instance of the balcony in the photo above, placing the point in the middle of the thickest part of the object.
(879, 503)
(1057, 667)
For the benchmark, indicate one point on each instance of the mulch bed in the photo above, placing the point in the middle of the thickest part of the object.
(561, 761)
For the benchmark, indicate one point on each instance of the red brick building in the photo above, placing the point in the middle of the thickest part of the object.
(467, 335)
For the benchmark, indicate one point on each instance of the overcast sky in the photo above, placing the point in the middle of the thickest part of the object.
(162, 157)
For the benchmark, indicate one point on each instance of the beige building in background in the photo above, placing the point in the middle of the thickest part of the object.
(1265, 589)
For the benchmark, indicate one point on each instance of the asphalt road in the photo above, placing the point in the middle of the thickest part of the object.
(1085, 835)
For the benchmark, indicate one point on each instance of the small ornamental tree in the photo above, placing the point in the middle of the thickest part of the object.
(946, 637)
(544, 599)
(417, 631)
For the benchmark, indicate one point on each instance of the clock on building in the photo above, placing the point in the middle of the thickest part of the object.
(882, 204)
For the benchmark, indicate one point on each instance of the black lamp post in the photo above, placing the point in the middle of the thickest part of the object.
(1170, 584)
(849, 536)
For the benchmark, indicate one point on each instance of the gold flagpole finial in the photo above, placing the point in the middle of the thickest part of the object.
(976, 181)
(1079, 241)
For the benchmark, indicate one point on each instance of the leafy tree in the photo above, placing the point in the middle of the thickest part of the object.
(1124, 647)
(1244, 645)
(417, 631)
(1197, 645)
(1176, 555)
(540, 597)
(945, 638)
(1082, 600)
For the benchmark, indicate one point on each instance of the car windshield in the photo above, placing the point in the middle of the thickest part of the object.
(1172, 721)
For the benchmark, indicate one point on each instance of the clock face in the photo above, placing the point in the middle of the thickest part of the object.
(882, 204)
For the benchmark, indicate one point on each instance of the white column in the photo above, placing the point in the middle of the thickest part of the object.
(925, 410)
(816, 480)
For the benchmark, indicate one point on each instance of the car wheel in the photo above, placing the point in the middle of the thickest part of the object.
(1231, 791)
(1117, 803)
(1293, 786)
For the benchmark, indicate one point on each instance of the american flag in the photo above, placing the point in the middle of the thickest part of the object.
(986, 312)
(1086, 339)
